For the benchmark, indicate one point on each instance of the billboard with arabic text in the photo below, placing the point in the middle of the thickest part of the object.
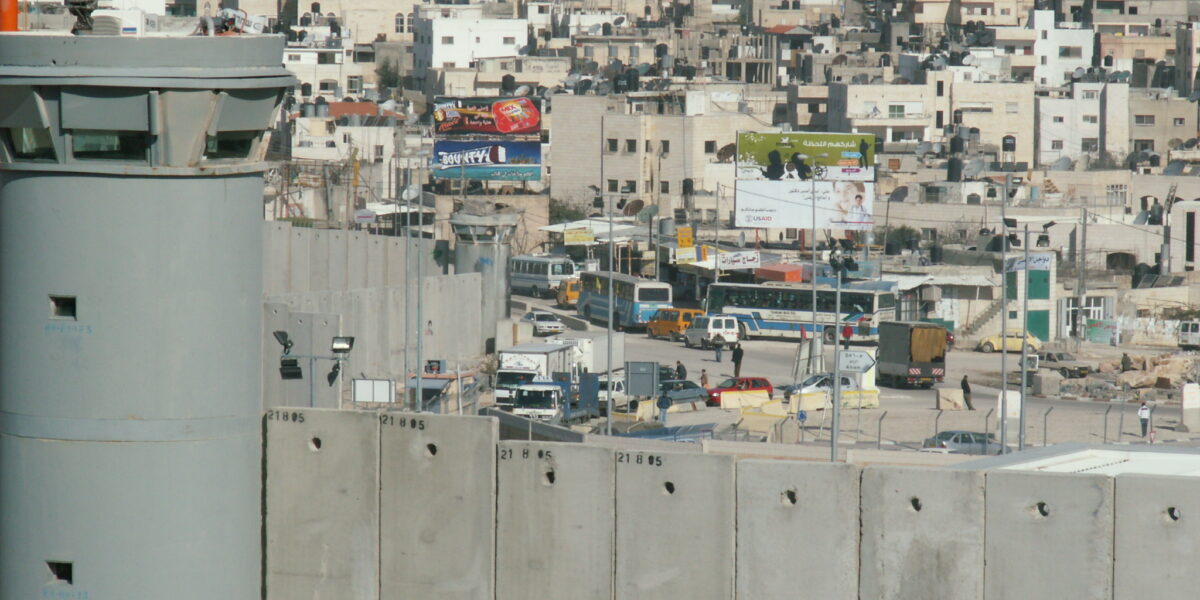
(802, 156)
(484, 159)
(847, 205)
(487, 116)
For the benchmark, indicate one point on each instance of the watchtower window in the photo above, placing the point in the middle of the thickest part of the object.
(30, 143)
(94, 144)
(230, 144)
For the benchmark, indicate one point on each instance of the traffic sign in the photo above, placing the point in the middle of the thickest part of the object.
(855, 361)
(802, 415)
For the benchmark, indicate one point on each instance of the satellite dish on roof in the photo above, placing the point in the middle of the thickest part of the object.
(898, 194)
(412, 119)
(1191, 143)
(572, 79)
(876, 80)
(1174, 167)
(644, 215)
(411, 193)
(861, 79)
(643, 68)
(1062, 164)
(633, 208)
(968, 60)
(604, 88)
(726, 152)
(619, 21)
(839, 60)
(938, 62)
(522, 91)
(974, 168)
(1078, 73)
(595, 29)
(937, 148)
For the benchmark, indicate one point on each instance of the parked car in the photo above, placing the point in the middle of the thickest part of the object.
(671, 322)
(738, 384)
(681, 390)
(964, 442)
(1064, 363)
(1010, 342)
(568, 293)
(707, 329)
(544, 323)
(619, 395)
(817, 383)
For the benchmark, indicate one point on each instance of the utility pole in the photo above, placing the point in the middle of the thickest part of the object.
(608, 367)
(1004, 319)
(420, 400)
(1024, 344)
(812, 201)
(835, 426)
(1081, 285)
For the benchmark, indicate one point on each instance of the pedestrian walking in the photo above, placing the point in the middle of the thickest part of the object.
(718, 345)
(1126, 362)
(966, 388)
(704, 378)
(1144, 417)
(664, 403)
(737, 360)
(680, 370)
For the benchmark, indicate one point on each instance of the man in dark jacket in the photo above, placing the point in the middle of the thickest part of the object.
(680, 370)
(966, 388)
(737, 360)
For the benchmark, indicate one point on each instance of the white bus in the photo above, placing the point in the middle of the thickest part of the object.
(786, 311)
(539, 275)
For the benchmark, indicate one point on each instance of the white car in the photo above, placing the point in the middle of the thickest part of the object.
(704, 331)
(544, 323)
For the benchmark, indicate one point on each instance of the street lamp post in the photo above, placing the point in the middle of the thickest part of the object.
(1024, 345)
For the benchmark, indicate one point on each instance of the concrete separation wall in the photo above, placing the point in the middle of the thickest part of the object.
(438, 490)
(797, 529)
(554, 521)
(1048, 536)
(1157, 537)
(922, 534)
(322, 504)
(675, 526)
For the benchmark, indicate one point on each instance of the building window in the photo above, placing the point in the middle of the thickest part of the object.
(293, 58)
(612, 185)
(447, 39)
(941, 88)
(612, 144)
(589, 51)
(665, 146)
(1010, 107)
(1143, 119)
(109, 144)
(543, 9)
(631, 145)
(1005, 12)
(1178, 121)
(894, 164)
(710, 147)
(1143, 145)
(1090, 145)
(508, 41)
(1090, 94)
(1070, 52)
(354, 84)
(634, 52)
(30, 143)
(1058, 119)
(664, 187)
(1043, 59)
(1091, 119)
(630, 186)
(895, 111)
(1056, 145)
(399, 22)
(814, 108)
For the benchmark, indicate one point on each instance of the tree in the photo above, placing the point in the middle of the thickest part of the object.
(900, 234)
(387, 73)
(561, 212)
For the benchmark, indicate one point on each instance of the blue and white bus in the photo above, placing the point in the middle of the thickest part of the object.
(636, 299)
(777, 310)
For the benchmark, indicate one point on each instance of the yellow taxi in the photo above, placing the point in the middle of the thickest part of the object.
(671, 322)
(568, 293)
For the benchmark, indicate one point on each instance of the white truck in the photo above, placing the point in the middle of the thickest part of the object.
(552, 402)
(591, 349)
(520, 365)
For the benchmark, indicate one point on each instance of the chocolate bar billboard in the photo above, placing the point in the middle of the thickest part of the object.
(487, 160)
(487, 116)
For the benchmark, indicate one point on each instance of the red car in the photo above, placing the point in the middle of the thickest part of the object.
(738, 384)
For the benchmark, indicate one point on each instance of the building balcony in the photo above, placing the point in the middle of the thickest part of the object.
(878, 119)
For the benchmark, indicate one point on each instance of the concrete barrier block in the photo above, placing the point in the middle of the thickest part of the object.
(322, 504)
(1046, 383)
(675, 526)
(747, 399)
(554, 521)
(797, 529)
(922, 534)
(438, 484)
(950, 399)
(1157, 537)
(1049, 535)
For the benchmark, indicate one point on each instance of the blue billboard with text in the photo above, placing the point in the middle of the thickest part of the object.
(487, 160)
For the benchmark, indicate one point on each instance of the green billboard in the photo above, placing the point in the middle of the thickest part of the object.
(806, 155)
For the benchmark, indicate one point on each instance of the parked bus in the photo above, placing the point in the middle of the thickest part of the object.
(1189, 335)
(636, 299)
(539, 275)
(774, 310)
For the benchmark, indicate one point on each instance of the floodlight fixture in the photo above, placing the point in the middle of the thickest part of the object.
(333, 373)
(289, 368)
(342, 344)
(284, 340)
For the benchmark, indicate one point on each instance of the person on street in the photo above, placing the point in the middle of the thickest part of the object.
(1144, 417)
(1126, 362)
(737, 360)
(664, 403)
(966, 388)
(704, 378)
(680, 370)
(718, 345)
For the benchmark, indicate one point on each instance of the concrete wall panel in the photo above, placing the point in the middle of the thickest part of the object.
(922, 534)
(299, 262)
(438, 484)
(325, 327)
(376, 269)
(396, 269)
(675, 526)
(275, 318)
(320, 263)
(276, 257)
(356, 260)
(322, 504)
(339, 254)
(797, 530)
(1049, 536)
(554, 521)
(1157, 533)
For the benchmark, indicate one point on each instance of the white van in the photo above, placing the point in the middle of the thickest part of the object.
(539, 275)
(1189, 335)
(706, 329)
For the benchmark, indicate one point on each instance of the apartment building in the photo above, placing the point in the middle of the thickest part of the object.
(670, 149)
(450, 43)
(1114, 119)
(935, 15)
(331, 72)
(1059, 51)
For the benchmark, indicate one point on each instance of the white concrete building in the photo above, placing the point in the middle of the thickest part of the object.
(1059, 51)
(450, 43)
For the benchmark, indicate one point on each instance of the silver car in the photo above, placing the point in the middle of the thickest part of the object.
(544, 323)
(963, 442)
